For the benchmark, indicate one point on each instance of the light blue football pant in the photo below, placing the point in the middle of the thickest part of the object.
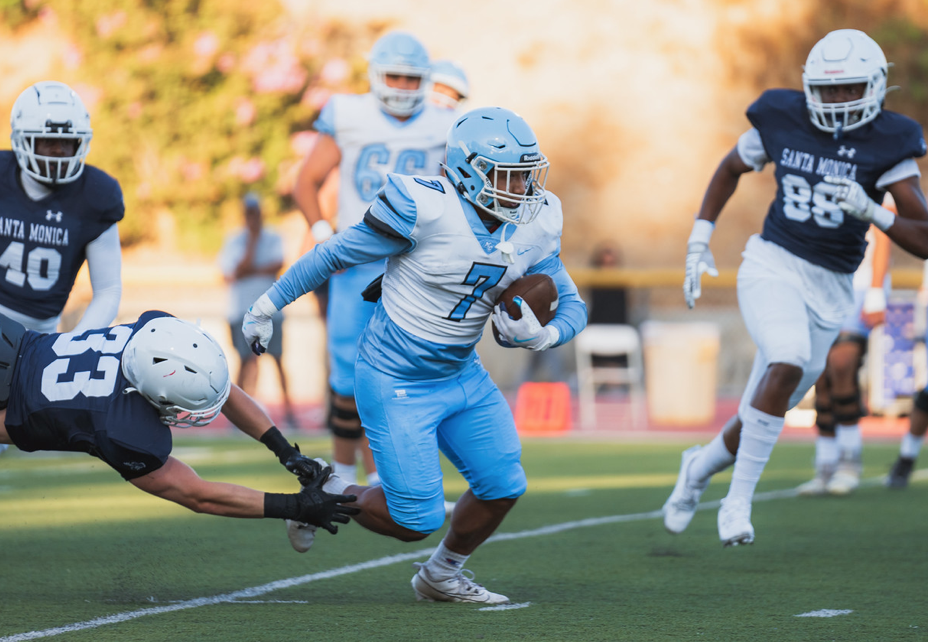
(409, 422)
(347, 316)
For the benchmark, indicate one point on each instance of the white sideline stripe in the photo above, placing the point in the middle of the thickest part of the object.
(825, 613)
(506, 607)
(377, 563)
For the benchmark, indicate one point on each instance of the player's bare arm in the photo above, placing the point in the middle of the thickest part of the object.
(723, 185)
(251, 419)
(910, 228)
(177, 482)
(322, 159)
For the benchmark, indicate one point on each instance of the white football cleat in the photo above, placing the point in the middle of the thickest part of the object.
(301, 535)
(735, 526)
(818, 485)
(681, 505)
(846, 478)
(458, 588)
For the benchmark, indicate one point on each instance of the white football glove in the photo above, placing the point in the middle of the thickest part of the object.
(257, 326)
(322, 231)
(526, 332)
(853, 200)
(699, 260)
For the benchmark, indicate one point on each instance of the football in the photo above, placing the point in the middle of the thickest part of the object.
(538, 290)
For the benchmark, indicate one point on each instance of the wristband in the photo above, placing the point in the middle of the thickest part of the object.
(882, 217)
(277, 443)
(281, 506)
(874, 301)
(322, 230)
(702, 231)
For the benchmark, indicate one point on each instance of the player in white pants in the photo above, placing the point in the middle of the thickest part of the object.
(837, 152)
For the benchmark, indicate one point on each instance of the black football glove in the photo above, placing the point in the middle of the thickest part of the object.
(320, 508)
(301, 465)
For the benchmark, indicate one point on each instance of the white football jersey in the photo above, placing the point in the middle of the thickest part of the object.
(444, 289)
(373, 143)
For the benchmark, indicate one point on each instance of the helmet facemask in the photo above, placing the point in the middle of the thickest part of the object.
(52, 170)
(396, 101)
(496, 197)
(845, 116)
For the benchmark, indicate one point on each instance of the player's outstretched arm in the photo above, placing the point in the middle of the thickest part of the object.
(249, 417)
(177, 482)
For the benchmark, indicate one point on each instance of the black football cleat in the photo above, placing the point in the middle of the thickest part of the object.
(900, 472)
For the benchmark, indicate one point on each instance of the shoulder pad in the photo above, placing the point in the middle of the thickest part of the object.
(105, 195)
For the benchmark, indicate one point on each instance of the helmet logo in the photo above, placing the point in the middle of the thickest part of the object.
(172, 372)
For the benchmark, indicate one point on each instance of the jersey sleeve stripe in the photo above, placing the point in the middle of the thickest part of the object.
(381, 228)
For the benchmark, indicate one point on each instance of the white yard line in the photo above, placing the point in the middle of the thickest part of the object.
(826, 613)
(257, 591)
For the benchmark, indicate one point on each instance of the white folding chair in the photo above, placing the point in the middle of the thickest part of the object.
(609, 340)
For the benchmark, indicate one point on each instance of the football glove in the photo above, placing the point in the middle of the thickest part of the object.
(257, 326)
(301, 465)
(853, 200)
(526, 332)
(699, 260)
(320, 508)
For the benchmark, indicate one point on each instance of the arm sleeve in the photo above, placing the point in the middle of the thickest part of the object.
(571, 314)
(751, 149)
(357, 245)
(104, 262)
(900, 171)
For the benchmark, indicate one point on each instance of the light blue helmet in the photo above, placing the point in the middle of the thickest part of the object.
(402, 54)
(450, 74)
(494, 161)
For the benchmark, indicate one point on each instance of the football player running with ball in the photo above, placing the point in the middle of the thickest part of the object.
(57, 211)
(393, 128)
(454, 243)
(837, 152)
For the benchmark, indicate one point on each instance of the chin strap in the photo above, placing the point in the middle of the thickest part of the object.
(505, 247)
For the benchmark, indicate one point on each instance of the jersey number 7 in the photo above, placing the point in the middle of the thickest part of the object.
(482, 276)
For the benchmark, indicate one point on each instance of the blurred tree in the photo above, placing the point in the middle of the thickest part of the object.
(196, 102)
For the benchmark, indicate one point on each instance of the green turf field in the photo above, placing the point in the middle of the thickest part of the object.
(78, 544)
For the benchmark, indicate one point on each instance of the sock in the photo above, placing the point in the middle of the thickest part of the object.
(758, 437)
(337, 485)
(373, 479)
(348, 472)
(849, 441)
(827, 452)
(712, 458)
(911, 445)
(445, 563)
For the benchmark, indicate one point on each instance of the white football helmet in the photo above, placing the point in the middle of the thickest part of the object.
(450, 74)
(179, 369)
(401, 54)
(50, 109)
(845, 57)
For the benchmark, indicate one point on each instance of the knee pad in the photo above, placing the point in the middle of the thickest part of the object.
(825, 419)
(921, 400)
(847, 410)
(342, 418)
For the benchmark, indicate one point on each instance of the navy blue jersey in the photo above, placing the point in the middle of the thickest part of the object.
(68, 394)
(804, 219)
(42, 242)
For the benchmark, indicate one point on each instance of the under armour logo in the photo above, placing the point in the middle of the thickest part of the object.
(844, 151)
(400, 394)
(50, 215)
